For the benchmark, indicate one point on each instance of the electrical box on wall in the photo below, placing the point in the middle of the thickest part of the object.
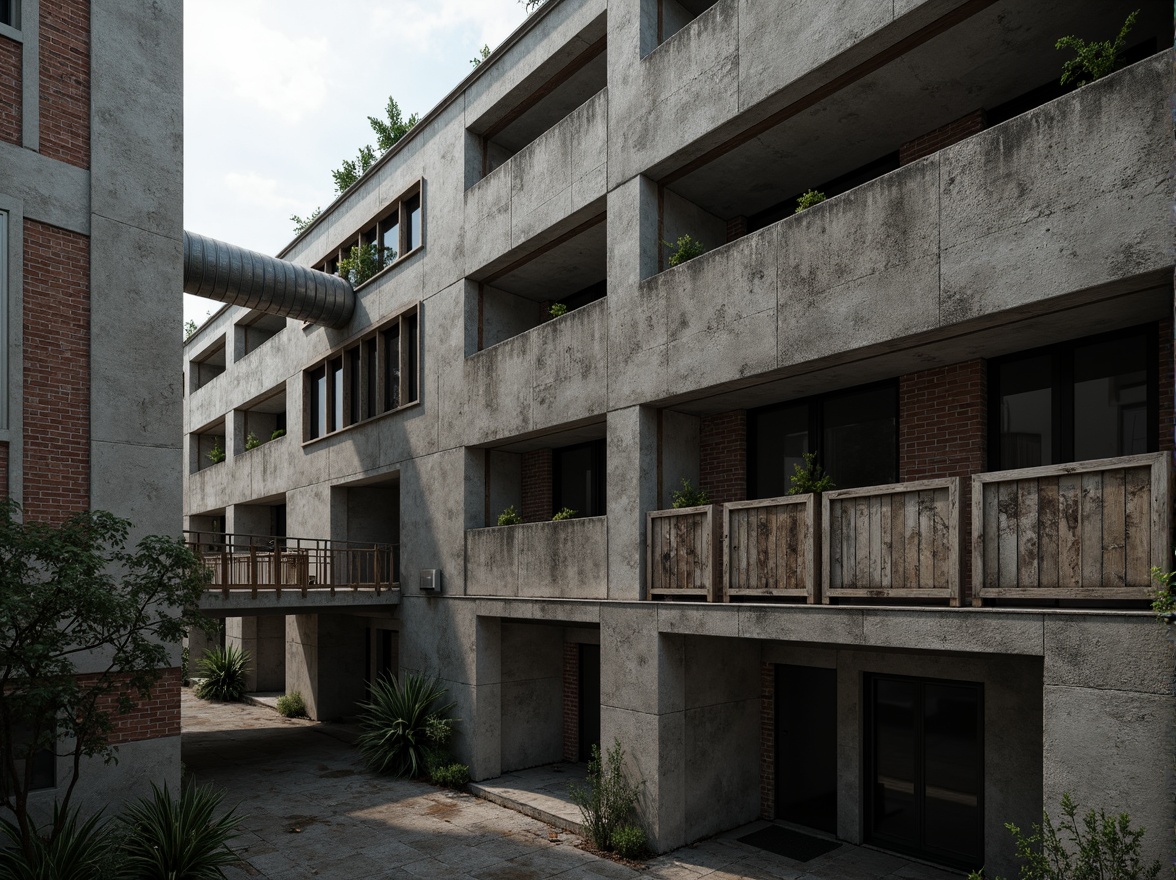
(430, 580)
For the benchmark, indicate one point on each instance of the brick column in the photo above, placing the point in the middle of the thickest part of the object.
(11, 90)
(767, 741)
(1167, 374)
(723, 456)
(65, 80)
(571, 702)
(944, 136)
(537, 486)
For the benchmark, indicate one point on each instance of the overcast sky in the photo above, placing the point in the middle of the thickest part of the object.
(276, 94)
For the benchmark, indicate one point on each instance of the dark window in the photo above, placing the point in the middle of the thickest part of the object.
(579, 478)
(410, 325)
(391, 240)
(318, 403)
(853, 433)
(392, 368)
(8, 12)
(353, 375)
(43, 760)
(1081, 400)
(336, 420)
(412, 217)
(925, 770)
(371, 377)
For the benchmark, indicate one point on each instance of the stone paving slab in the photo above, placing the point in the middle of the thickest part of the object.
(313, 810)
(541, 793)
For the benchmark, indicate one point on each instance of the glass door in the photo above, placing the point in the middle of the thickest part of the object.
(925, 768)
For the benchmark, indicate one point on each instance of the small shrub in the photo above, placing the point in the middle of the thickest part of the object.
(361, 264)
(404, 730)
(608, 801)
(77, 852)
(172, 838)
(688, 496)
(685, 249)
(185, 679)
(216, 455)
(292, 705)
(629, 842)
(1099, 846)
(451, 776)
(280, 432)
(557, 310)
(810, 198)
(1094, 60)
(564, 513)
(810, 478)
(1163, 601)
(223, 671)
(251, 441)
(510, 517)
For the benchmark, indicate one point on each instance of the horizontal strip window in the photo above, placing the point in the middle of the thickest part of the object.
(376, 374)
(397, 232)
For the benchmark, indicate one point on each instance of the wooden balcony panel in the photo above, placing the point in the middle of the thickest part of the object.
(682, 553)
(1085, 530)
(771, 547)
(901, 541)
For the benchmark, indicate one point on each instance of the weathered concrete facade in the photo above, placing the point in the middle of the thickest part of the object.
(554, 174)
(91, 176)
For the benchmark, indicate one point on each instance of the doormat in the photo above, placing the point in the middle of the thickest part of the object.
(788, 843)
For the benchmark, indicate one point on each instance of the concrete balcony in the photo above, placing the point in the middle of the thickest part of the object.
(547, 560)
(550, 375)
(542, 191)
(1068, 200)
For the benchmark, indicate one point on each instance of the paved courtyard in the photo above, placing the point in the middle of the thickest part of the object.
(313, 810)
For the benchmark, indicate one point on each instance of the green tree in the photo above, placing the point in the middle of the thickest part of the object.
(300, 223)
(189, 329)
(1095, 59)
(532, 5)
(72, 593)
(389, 131)
(353, 169)
(482, 55)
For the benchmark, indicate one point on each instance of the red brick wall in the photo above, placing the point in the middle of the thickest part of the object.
(1167, 376)
(571, 703)
(155, 717)
(65, 80)
(767, 741)
(537, 486)
(736, 227)
(944, 136)
(56, 372)
(11, 81)
(723, 456)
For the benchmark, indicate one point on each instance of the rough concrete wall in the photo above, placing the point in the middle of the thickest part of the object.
(571, 702)
(326, 663)
(532, 696)
(56, 372)
(65, 80)
(505, 316)
(11, 90)
(680, 456)
(373, 514)
(504, 473)
(548, 560)
(724, 456)
(767, 780)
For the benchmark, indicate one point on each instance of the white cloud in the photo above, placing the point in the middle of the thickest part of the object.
(261, 191)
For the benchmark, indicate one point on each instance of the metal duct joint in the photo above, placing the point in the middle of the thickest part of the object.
(233, 275)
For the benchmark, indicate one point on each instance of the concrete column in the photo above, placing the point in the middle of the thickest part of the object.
(642, 696)
(325, 662)
(632, 490)
(198, 643)
(485, 747)
(264, 638)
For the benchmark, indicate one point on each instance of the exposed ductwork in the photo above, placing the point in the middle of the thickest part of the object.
(233, 275)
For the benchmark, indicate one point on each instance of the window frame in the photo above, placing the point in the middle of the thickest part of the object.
(1062, 391)
(816, 427)
(14, 16)
(356, 354)
(395, 214)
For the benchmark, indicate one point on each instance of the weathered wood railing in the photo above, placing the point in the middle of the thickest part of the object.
(771, 547)
(901, 541)
(252, 562)
(682, 553)
(1087, 530)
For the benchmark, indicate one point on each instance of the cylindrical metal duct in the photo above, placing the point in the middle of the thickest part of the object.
(231, 274)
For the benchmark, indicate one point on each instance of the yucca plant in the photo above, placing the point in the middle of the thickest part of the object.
(404, 725)
(178, 839)
(77, 851)
(223, 671)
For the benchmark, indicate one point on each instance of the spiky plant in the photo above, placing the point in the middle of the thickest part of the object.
(78, 851)
(178, 839)
(223, 670)
(403, 725)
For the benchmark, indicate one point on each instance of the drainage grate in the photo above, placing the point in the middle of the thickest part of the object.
(788, 843)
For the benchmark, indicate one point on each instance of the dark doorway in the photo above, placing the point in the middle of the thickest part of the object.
(925, 768)
(806, 746)
(589, 699)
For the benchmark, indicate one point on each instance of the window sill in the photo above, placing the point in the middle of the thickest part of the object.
(11, 32)
(402, 258)
(368, 421)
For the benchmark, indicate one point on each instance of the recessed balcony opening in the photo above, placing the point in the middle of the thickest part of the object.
(255, 329)
(206, 447)
(207, 365)
(261, 421)
(673, 15)
(365, 526)
(566, 80)
(995, 65)
(566, 275)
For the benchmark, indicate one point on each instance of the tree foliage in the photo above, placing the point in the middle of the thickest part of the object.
(482, 55)
(301, 223)
(1095, 59)
(73, 594)
(388, 131)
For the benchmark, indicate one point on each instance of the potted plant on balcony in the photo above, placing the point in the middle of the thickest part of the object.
(216, 455)
(810, 478)
(688, 496)
(510, 517)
